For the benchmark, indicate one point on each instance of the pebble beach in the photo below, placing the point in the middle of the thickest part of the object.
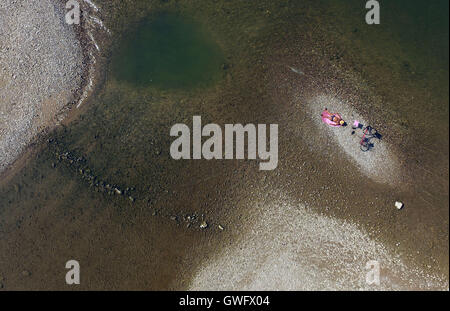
(41, 64)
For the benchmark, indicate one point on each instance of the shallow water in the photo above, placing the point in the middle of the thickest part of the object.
(167, 51)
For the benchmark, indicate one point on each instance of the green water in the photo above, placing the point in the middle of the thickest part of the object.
(168, 51)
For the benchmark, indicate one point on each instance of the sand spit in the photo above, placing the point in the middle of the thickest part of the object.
(291, 248)
(379, 163)
(41, 67)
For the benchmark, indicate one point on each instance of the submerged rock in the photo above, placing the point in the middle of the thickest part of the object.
(203, 225)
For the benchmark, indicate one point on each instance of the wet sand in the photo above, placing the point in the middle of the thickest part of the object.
(49, 207)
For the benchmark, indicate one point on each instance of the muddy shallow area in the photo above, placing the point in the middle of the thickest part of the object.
(63, 204)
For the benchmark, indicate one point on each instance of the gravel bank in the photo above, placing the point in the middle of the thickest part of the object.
(379, 163)
(288, 247)
(40, 71)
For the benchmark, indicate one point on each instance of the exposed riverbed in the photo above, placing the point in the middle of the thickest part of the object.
(103, 189)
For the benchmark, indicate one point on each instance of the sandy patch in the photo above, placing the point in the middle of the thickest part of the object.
(379, 163)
